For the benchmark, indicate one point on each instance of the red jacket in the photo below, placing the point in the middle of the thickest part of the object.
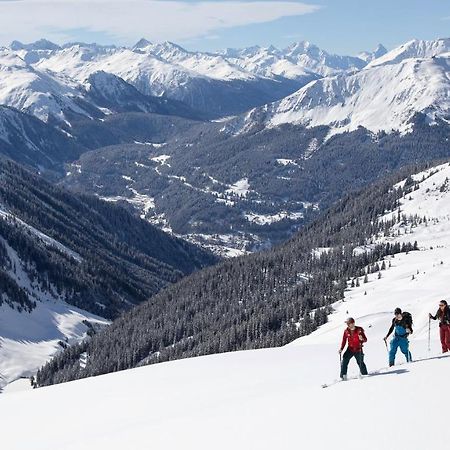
(352, 339)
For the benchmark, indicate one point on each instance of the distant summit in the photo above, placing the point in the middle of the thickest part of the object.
(41, 44)
(379, 51)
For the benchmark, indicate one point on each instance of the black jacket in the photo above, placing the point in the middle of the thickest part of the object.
(403, 323)
(443, 316)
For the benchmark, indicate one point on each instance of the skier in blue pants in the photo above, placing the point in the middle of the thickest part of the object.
(402, 327)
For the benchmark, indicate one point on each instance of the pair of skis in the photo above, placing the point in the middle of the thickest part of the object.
(332, 383)
(358, 377)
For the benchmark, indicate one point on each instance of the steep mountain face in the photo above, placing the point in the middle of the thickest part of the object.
(383, 96)
(370, 56)
(270, 298)
(112, 93)
(96, 256)
(235, 194)
(29, 141)
(39, 93)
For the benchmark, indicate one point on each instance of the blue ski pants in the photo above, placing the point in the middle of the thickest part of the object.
(403, 343)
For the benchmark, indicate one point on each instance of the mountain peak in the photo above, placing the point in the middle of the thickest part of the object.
(301, 47)
(169, 45)
(380, 50)
(41, 44)
(142, 43)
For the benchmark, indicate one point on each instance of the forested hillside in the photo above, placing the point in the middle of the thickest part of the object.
(89, 253)
(244, 193)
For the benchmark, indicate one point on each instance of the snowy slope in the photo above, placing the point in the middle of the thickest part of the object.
(273, 398)
(29, 338)
(30, 141)
(379, 97)
(413, 49)
(36, 92)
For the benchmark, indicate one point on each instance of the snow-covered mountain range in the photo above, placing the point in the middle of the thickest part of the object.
(377, 90)
(36, 92)
(273, 398)
(46, 80)
(383, 96)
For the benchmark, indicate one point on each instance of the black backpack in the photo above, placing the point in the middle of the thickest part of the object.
(407, 320)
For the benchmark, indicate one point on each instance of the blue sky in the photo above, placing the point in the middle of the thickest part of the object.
(339, 26)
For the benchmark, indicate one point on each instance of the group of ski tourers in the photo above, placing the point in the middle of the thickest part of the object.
(354, 337)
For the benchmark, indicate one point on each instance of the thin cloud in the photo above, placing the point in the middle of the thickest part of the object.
(128, 20)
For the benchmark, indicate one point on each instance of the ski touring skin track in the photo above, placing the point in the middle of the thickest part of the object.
(362, 377)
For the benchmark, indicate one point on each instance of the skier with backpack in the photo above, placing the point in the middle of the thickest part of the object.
(402, 328)
(443, 314)
(354, 337)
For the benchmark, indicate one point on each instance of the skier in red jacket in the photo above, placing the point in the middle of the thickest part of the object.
(354, 337)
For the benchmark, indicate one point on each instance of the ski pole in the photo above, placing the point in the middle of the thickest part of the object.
(429, 327)
(387, 349)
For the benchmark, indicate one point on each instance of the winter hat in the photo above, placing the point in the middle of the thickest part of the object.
(397, 311)
(350, 320)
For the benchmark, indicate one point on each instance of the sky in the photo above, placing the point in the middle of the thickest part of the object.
(338, 26)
